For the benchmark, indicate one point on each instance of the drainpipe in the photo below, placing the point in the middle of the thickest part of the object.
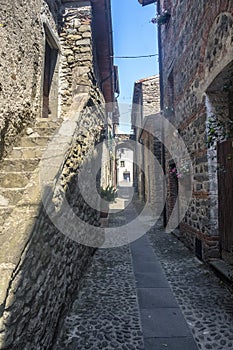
(163, 161)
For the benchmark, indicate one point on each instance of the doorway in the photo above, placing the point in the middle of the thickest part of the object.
(50, 79)
(220, 157)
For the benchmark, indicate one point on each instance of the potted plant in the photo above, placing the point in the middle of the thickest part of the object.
(182, 173)
(107, 195)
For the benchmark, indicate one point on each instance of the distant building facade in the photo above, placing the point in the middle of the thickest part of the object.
(146, 104)
(124, 156)
(124, 166)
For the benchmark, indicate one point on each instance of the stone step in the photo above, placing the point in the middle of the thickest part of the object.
(10, 196)
(14, 179)
(4, 213)
(14, 164)
(223, 269)
(42, 131)
(27, 152)
(28, 141)
(46, 123)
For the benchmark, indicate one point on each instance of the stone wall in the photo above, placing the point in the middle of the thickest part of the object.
(146, 102)
(151, 95)
(21, 64)
(196, 48)
(47, 272)
(41, 267)
(77, 58)
(152, 168)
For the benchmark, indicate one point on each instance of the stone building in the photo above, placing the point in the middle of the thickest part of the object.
(196, 66)
(57, 93)
(146, 104)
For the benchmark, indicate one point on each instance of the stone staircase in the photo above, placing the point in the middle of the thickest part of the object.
(17, 168)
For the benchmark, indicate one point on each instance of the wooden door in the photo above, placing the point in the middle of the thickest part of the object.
(225, 193)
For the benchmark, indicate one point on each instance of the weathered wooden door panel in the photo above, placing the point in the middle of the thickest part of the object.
(225, 193)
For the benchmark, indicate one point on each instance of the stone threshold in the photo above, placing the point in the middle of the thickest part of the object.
(223, 269)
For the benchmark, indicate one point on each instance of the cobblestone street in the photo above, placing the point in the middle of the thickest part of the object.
(105, 314)
(204, 299)
(112, 310)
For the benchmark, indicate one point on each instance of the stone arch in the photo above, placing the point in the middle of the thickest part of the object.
(125, 144)
(218, 48)
(218, 87)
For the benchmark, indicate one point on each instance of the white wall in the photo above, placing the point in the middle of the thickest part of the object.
(125, 170)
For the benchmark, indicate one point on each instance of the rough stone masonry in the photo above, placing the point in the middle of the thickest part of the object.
(40, 267)
(196, 58)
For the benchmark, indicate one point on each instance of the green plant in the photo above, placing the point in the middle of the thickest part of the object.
(218, 130)
(109, 193)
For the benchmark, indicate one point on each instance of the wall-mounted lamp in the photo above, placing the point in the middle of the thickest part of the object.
(146, 2)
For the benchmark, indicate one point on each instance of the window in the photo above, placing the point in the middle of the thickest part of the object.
(170, 92)
(169, 96)
(122, 163)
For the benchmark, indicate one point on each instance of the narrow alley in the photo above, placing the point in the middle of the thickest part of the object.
(116, 175)
(152, 294)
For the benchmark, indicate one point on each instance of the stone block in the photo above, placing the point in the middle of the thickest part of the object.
(70, 59)
(34, 141)
(27, 152)
(11, 195)
(13, 180)
(85, 49)
(86, 35)
(67, 52)
(83, 42)
(77, 23)
(18, 165)
(84, 28)
(74, 37)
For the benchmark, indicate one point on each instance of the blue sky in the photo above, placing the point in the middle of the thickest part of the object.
(133, 35)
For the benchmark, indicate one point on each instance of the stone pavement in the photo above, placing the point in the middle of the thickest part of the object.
(206, 302)
(105, 314)
(152, 294)
(163, 324)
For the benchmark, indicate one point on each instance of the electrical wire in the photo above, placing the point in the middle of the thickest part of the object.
(136, 56)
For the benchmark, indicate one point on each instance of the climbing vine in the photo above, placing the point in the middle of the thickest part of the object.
(218, 130)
